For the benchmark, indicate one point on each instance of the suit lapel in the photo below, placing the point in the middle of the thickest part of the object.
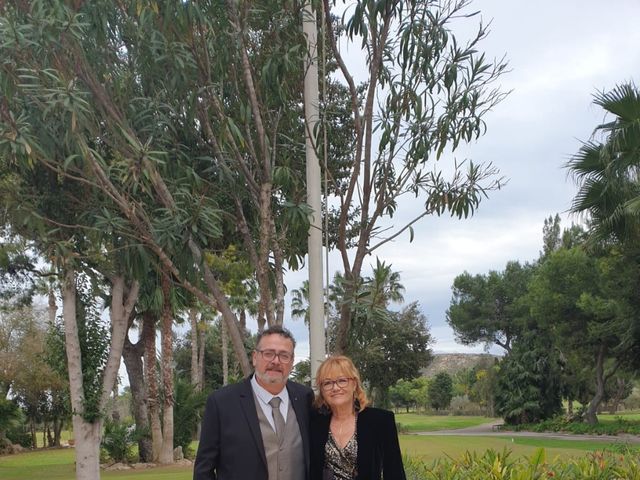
(249, 406)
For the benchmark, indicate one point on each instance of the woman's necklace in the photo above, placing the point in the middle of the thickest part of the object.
(339, 426)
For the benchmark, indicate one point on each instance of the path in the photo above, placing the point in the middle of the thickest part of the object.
(489, 429)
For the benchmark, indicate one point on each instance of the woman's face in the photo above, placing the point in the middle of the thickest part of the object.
(338, 390)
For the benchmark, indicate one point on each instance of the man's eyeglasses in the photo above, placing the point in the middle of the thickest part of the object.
(270, 355)
(341, 382)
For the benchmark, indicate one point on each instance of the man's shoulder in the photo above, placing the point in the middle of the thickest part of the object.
(298, 388)
(231, 390)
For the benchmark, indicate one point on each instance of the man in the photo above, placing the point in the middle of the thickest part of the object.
(258, 429)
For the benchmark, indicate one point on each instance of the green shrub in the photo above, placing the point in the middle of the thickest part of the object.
(118, 440)
(186, 414)
(501, 466)
(21, 436)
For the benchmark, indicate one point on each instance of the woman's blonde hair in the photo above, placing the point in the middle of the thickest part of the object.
(339, 366)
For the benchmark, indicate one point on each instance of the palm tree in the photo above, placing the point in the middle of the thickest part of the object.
(384, 287)
(607, 172)
(300, 302)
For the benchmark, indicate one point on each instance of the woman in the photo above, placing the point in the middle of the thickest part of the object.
(349, 440)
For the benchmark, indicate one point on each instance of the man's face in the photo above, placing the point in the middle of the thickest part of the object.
(272, 374)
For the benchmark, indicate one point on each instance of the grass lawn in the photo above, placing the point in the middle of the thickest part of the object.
(58, 464)
(605, 417)
(428, 448)
(429, 423)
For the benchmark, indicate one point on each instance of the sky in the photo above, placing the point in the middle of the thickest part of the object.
(560, 53)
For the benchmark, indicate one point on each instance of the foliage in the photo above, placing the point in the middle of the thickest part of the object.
(425, 93)
(186, 413)
(301, 372)
(94, 349)
(18, 278)
(118, 440)
(588, 301)
(410, 393)
(616, 426)
(501, 466)
(388, 347)
(607, 171)
(385, 345)
(462, 405)
(528, 387)
(490, 309)
(440, 391)
(212, 356)
(10, 416)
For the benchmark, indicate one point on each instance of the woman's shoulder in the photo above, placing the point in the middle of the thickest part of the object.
(376, 415)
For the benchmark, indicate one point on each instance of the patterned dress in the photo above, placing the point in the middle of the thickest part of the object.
(340, 463)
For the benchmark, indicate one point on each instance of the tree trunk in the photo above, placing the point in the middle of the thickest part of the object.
(166, 454)
(87, 435)
(87, 447)
(32, 430)
(47, 440)
(52, 308)
(201, 344)
(243, 320)
(225, 354)
(195, 350)
(132, 355)
(151, 376)
(590, 415)
(57, 430)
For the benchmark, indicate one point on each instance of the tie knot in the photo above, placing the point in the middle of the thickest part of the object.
(275, 402)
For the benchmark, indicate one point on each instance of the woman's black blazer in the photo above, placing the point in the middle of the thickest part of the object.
(378, 447)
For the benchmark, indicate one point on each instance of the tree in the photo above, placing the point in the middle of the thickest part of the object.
(588, 302)
(483, 389)
(441, 391)
(391, 347)
(300, 302)
(490, 308)
(400, 394)
(10, 417)
(302, 372)
(607, 171)
(432, 92)
(528, 387)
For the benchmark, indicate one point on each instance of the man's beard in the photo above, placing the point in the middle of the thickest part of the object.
(272, 379)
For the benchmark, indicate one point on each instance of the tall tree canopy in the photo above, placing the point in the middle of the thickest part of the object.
(426, 92)
(490, 309)
(606, 169)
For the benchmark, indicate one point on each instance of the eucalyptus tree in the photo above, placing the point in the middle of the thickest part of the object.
(56, 216)
(184, 115)
(424, 95)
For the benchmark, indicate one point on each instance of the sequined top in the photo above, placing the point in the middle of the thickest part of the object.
(340, 463)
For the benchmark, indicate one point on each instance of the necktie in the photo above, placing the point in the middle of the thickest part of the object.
(278, 419)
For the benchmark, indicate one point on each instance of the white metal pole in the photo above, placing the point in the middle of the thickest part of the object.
(311, 102)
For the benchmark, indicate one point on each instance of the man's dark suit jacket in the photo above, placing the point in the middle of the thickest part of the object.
(231, 445)
(378, 447)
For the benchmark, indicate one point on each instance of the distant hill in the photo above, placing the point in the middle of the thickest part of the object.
(454, 362)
